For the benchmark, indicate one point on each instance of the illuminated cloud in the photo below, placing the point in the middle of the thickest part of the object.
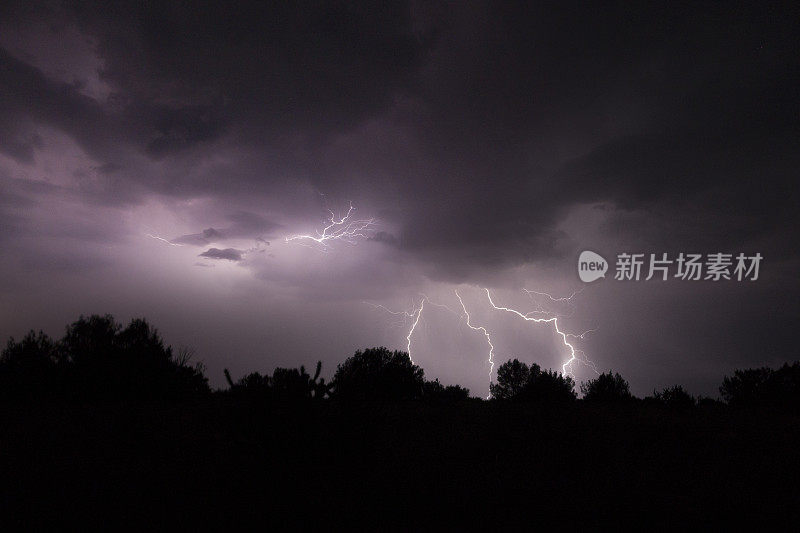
(231, 254)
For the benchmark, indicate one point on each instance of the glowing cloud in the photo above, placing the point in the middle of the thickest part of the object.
(344, 229)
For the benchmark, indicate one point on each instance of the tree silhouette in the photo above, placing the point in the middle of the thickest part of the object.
(433, 390)
(548, 386)
(607, 387)
(512, 376)
(518, 381)
(29, 368)
(106, 361)
(764, 387)
(675, 397)
(378, 374)
(97, 359)
(746, 387)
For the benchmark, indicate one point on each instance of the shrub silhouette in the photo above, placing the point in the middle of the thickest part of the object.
(675, 397)
(286, 384)
(518, 381)
(294, 384)
(433, 390)
(378, 374)
(253, 384)
(97, 359)
(512, 376)
(764, 388)
(608, 387)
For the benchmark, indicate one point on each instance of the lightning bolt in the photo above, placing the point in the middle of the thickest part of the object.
(162, 239)
(342, 229)
(413, 327)
(485, 333)
(443, 306)
(574, 353)
(415, 315)
(581, 336)
(541, 310)
(384, 308)
(551, 298)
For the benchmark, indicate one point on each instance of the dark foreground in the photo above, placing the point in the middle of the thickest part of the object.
(220, 462)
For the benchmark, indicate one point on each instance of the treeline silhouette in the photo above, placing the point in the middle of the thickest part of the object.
(375, 374)
(99, 359)
(108, 425)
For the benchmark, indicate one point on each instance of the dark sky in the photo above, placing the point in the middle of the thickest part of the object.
(491, 143)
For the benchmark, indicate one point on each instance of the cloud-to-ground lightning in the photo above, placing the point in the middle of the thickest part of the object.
(344, 229)
(540, 315)
(413, 327)
(349, 229)
(573, 352)
(415, 315)
(479, 328)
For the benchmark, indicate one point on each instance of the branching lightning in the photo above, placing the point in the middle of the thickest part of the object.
(414, 315)
(343, 229)
(541, 310)
(581, 336)
(553, 299)
(540, 316)
(566, 368)
(384, 308)
(350, 230)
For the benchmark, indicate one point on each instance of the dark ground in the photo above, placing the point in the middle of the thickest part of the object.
(220, 462)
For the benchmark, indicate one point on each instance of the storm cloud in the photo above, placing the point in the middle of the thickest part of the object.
(491, 143)
(231, 254)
